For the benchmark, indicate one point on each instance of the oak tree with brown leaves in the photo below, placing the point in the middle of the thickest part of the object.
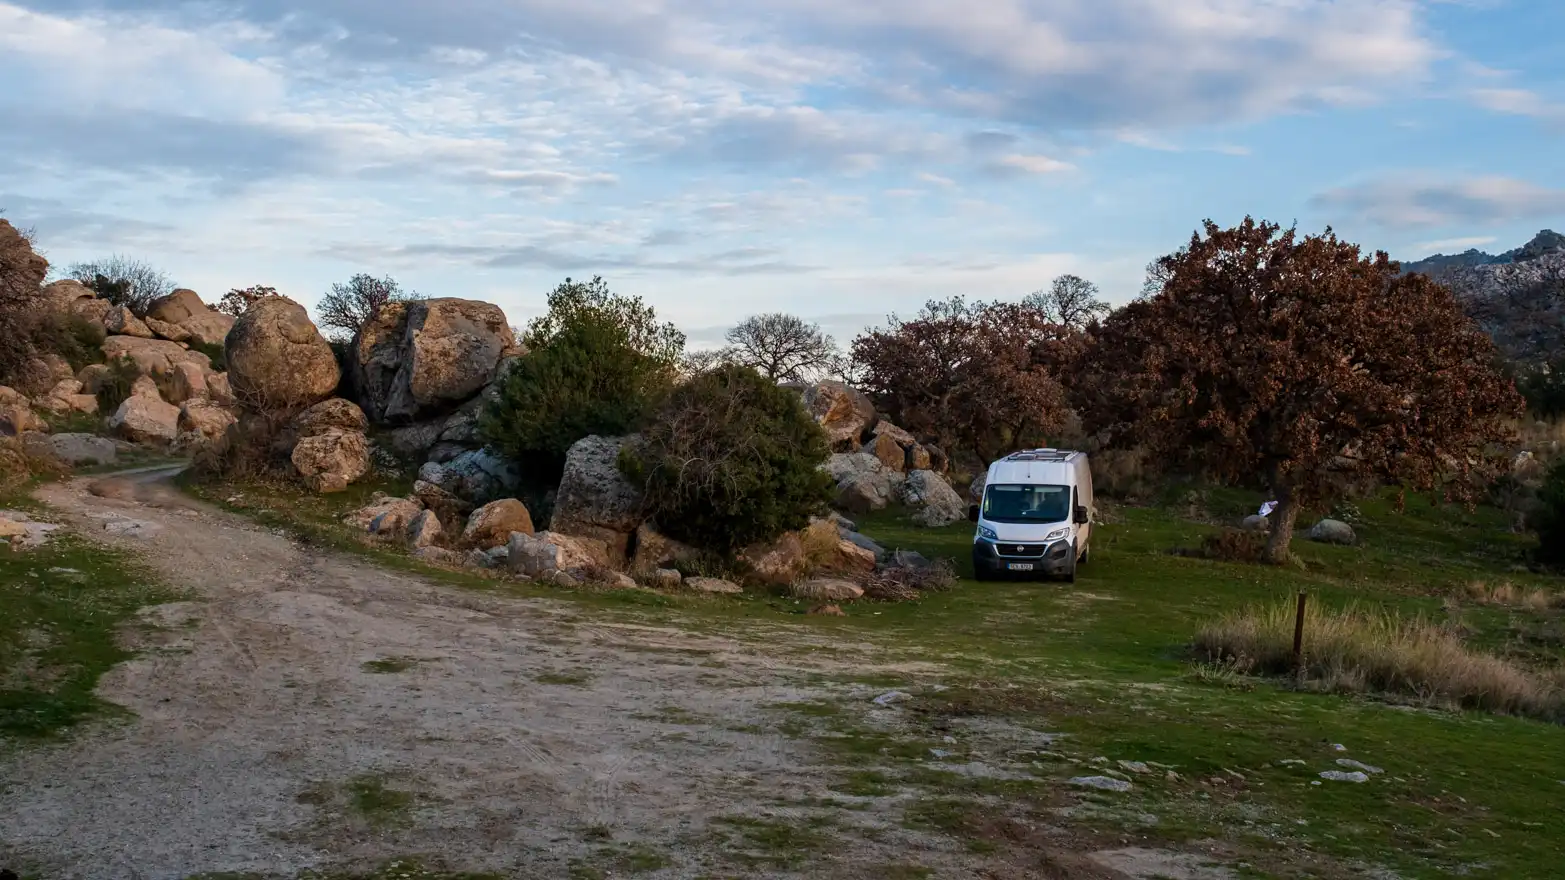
(1301, 366)
(975, 377)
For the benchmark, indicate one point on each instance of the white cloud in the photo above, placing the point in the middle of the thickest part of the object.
(1033, 164)
(1518, 102)
(1432, 202)
(1454, 245)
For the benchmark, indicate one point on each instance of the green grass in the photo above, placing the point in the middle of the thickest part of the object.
(372, 799)
(62, 606)
(778, 843)
(577, 679)
(1104, 667)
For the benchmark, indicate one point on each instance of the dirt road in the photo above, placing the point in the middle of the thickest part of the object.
(307, 710)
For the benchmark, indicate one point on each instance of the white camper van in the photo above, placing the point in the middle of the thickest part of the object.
(1035, 518)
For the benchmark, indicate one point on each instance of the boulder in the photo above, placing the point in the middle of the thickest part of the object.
(849, 557)
(827, 590)
(441, 556)
(1256, 523)
(72, 296)
(218, 389)
(16, 414)
(344, 453)
(209, 328)
(713, 585)
(67, 397)
(478, 476)
(919, 458)
(165, 330)
(447, 506)
(778, 563)
(902, 438)
(78, 449)
(666, 578)
(42, 373)
(595, 500)
(863, 543)
(326, 483)
(188, 382)
(206, 419)
(335, 414)
(867, 493)
(93, 377)
(975, 490)
(424, 530)
(401, 511)
(145, 386)
(845, 413)
(413, 442)
(177, 307)
(120, 321)
(277, 357)
(423, 357)
(152, 356)
(146, 419)
(492, 525)
(887, 451)
(909, 559)
(543, 554)
(655, 550)
(1332, 531)
(935, 502)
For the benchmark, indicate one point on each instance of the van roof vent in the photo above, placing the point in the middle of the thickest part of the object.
(1041, 455)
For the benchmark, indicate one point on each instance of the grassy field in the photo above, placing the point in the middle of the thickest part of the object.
(63, 605)
(1102, 671)
(1043, 683)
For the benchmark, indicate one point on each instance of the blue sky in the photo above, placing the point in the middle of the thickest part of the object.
(839, 159)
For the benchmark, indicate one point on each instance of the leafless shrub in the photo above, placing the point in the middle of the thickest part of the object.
(902, 583)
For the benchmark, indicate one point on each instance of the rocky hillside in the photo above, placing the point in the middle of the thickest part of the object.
(1477, 274)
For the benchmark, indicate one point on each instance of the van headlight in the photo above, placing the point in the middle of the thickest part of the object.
(1057, 534)
(987, 533)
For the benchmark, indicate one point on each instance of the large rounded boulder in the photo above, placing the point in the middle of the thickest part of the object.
(595, 500)
(278, 359)
(845, 413)
(421, 358)
(184, 309)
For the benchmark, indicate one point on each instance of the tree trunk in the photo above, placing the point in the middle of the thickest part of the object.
(1283, 518)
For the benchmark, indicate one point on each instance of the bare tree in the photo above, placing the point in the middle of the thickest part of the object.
(123, 281)
(348, 307)
(1070, 300)
(237, 301)
(782, 347)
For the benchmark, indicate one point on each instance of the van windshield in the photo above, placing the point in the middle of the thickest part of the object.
(1023, 503)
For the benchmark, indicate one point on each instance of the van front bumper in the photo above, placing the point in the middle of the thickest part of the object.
(1001, 559)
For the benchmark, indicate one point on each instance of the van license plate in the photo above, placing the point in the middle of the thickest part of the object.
(1020, 566)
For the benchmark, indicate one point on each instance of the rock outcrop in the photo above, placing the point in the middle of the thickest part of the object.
(153, 356)
(335, 414)
(540, 556)
(477, 477)
(16, 413)
(425, 357)
(278, 358)
(120, 321)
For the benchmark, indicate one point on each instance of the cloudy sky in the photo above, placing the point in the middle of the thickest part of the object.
(840, 159)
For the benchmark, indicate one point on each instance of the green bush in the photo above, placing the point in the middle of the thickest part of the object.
(585, 379)
(116, 386)
(214, 352)
(1549, 520)
(732, 459)
(72, 337)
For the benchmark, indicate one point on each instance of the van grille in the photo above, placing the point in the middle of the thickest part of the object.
(1021, 550)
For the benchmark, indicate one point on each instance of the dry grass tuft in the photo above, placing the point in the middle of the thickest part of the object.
(1359, 650)
(1507, 595)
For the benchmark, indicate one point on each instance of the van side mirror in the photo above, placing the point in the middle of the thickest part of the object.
(1081, 515)
(972, 513)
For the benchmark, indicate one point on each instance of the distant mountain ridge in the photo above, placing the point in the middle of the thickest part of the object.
(1545, 243)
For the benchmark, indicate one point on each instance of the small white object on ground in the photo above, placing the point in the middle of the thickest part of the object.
(1339, 776)
(942, 754)
(1355, 765)
(1135, 766)
(890, 697)
(1106, 783)
(1292, 762)
(1339, 747)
